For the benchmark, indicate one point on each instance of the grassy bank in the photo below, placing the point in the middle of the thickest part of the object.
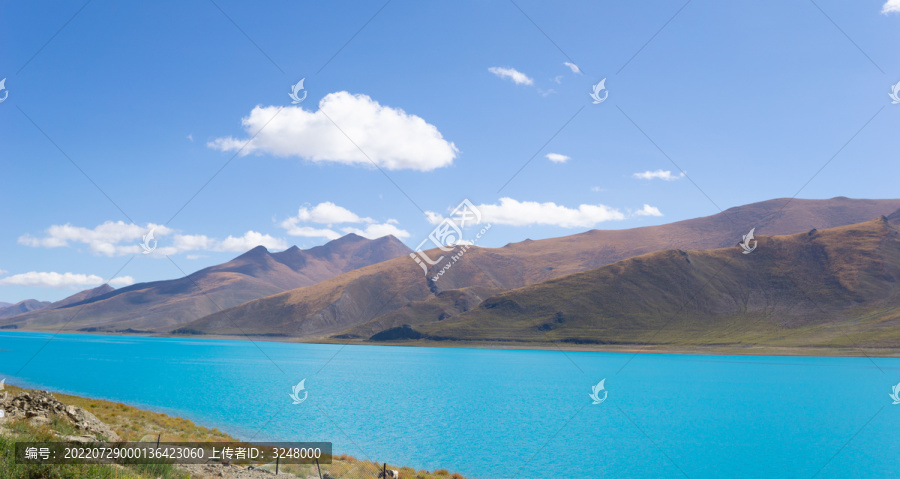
(133, 424)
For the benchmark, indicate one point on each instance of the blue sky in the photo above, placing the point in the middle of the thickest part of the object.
(130, 109)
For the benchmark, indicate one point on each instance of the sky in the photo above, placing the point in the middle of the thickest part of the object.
(122, 117)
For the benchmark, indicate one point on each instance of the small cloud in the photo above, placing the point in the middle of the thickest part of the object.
(121, 281)
(891, 6)
(310, 232)
(516, 76)
(248, 241)
(61, 280)
(195, 256)
(572, 67)
(546, 93)
(558, 79)
(329, 214)
(105, 239)
(121, 239)
(527, 213)
(597, 189)
(557, 158)
(191, 137)
(648, 210)
(658, 175)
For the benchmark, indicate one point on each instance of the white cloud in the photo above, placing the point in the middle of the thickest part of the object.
(659, 174)
(557, 158)
(104, 240)
(525, 213)
(250, 240)
(392, 138)
(891, 6)
(240, 244)
(516, 76)
(572, 67)
(328, 213)
(558, 79)
(648, 210)
(310, 232)
(121, 239)
(191, 137)
(61, 280)
(597, 189)
(3, 271)
(121, 281)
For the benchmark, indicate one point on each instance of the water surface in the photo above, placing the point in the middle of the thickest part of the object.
(501, 413)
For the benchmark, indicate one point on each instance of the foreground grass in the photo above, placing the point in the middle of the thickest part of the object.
(136, 425)
(22, 432)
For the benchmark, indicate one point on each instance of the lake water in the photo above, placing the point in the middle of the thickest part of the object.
(501, 413)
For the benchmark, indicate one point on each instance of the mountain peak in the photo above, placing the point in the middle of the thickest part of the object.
(347, 238)
(255, 252)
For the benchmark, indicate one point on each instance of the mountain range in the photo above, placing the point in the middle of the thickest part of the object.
(683, 283)
(160, 306)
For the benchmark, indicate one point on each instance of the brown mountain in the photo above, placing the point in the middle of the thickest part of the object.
(83, 296)
(30, 305)
(831, 288)
(23, 307)
(386, 295)
(164, 305)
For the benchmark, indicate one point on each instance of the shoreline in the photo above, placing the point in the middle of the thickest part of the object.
(121, 422)
(718, 350)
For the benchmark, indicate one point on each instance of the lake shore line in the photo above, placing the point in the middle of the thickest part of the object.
(28, 418)
(727, 350)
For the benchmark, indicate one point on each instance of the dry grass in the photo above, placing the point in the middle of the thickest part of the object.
(133, 424)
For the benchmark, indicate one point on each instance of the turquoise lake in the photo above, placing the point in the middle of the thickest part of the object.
(501, 413)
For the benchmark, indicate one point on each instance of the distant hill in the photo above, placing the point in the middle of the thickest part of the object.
(164, 305)
(23, 307)
(835, 288)
(30, 305)
(383, 296)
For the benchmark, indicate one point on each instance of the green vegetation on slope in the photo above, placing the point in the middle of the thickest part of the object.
(835, 288)
(137, 425)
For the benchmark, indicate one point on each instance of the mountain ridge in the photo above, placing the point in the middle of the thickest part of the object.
(160, 305)
(390, 294)
(795, 290)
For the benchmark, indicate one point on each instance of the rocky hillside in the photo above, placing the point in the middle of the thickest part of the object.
(30, 415)
(380, 297)
(164, 305)
(831, 288)
(21, 307)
